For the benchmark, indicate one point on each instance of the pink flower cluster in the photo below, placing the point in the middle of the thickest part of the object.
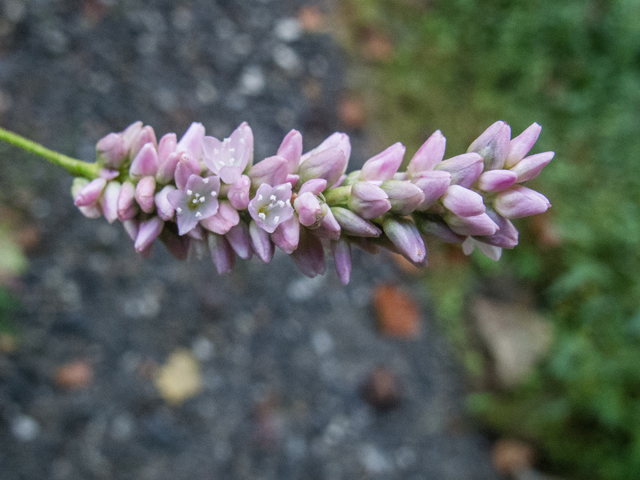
(201, 193)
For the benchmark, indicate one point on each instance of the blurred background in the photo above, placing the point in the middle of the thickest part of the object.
(112, 366)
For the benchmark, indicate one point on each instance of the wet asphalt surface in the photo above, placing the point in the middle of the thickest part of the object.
(282, 357)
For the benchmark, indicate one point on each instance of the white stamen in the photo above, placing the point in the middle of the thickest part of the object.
(232, 150)
(262, 216)
(280, 203)
(197, 195)
(288, 202)
(179, 210)
(276, 218)
(195, 200)
(273, 198)
(205, 180)
(189, 192)
(242, 141)
(214, 193)
(260, 197)
(201, 199)
(198, 214)
(216, 151)
(281, 187)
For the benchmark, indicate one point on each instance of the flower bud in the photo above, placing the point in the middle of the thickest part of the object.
(132, 227)
(529, 167)
(270, 171)
(130, 135)
(404, 196)
(291, 150)
(464, 169)
(520, 145)
(342, 255)
(111, 150)
(148, 232)
(127, 208)
(335, 140)
(145, 163)
(292, 178)
(505, 237)
(354, 225)
(261, 242)
(384, 165)
(176, 245)
(328, 164)
(187, 166)
(437, 227)
(145, 192)
(494, 253)
(222, 254)
(315, 186)
(167, 168)
(309, 256)
(239, 192)
(287, 235)
(225, 218)
(469, 226)
(493, 145)
(166, 211)
(146, 136)
(496, 180)
(329, 226)
(519, 201)
(433, 184)
(405, 237)
(308, 208)
(191, 141)
(240, 240)
(110, 201)
(166, 146)
(463, 202)
(90, 193)
(428, 155)
(368, 201)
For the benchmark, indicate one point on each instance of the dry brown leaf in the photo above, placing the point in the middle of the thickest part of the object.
(512, 456)
(397, 312)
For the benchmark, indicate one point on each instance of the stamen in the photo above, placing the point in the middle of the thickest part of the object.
(195, 200)
(262, 216)
(280, 203)
(189, 192)
(205, 180)
(276, 218)
(273, 198)
(214, 193)
(201, 199)
(179, 210)
(288, 202)
(260, 197)
(198, 214)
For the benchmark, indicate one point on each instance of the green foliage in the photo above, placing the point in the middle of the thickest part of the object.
(574, 67)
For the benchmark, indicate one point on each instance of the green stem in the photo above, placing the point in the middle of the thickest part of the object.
(77, 168)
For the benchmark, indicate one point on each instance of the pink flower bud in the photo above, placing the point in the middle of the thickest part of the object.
(492, 252)
(329, 226)
(292, 178)
(368, 201)
(309, 256)
(493, 145)
(464, 169)
(176, 245)
(433, 184)
(342, 255)
(90, 194)
(315, 186)
(127, 207)
(111, 150)
(191, 141)
(110, 201)
(130, 135)
(261, 242)
(328, 164)
(166, 211)
(291, 150)
(222, 254)
(354, 225)
(529, 167)
(145, 191)
(463, 202)
(428, 155)
(132, 227)
(148, 232)
(404, 196)
(437, 227)
(287, 235)
(167, 168)
(187, 166)
(496, 180)
(223, 220)
(145, 163)
(519, 201)
(238, 193)
(505, 237)
(166, 146)
(240, 240)
(308, 209)
(406, 238)
(384, 165)
(520, 145)
(146, 136)
(336, 140)
(469, 226)
(271, 171)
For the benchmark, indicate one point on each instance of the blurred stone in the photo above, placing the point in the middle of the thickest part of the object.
(517, 337)
(512, 456)
(74, 375)
(179, 379)
(8, 343)
(25, 428)
(288, 29)
(397, 312)
(382, 390)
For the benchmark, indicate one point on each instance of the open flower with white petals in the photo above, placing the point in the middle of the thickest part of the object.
(271, 206)
(229, 158)
(199, 200)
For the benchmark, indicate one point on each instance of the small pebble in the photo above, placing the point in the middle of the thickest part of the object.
(25, 428)
(382, 390)
(74, 375)
(288, 29)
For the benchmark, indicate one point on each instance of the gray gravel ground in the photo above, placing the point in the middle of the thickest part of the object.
(282, 356)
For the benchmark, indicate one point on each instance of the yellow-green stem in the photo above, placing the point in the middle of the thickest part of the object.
(77, 168)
